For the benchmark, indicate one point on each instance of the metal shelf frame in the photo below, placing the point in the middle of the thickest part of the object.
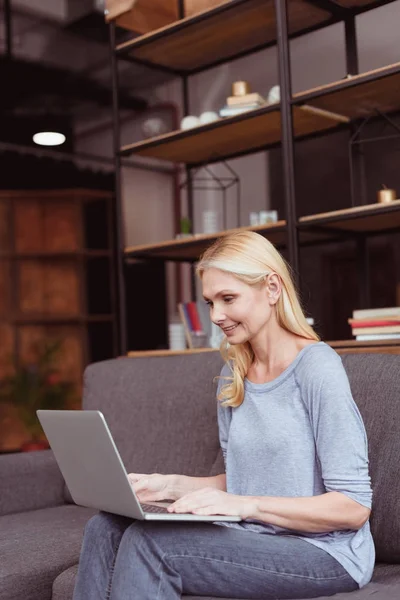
(288, 101)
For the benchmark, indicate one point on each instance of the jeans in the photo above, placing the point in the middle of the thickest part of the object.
(124, 559)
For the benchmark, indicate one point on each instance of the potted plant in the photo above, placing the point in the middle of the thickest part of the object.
(186, 227)
(36, 385)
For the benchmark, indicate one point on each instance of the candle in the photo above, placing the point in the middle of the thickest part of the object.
(386, 195)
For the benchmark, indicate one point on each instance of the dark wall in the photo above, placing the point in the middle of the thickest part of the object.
(25, 171)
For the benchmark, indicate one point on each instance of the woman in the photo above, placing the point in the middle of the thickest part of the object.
(295, 453)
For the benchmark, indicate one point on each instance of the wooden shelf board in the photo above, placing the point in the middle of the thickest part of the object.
(360, 3)
(369, 347)
(255, 129)
(359, 96)
(369, 217)
(59, 319)
(233, 28)
(341, 346)
(191, 248)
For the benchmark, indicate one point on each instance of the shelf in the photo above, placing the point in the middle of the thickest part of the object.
(189, 249)
(55, 255)
(372, 346)
(358, 219)
(342, 347)
(359, 96)
(234, 28)
(254, 130)
(58, 319)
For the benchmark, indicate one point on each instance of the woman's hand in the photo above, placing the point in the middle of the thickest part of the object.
(151, 488)
(210, 501)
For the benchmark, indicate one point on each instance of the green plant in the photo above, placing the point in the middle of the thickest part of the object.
(186, 225)
(37, 385)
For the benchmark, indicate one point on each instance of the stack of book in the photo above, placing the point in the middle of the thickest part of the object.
(195, 317)
(235, 105)
(376, 324)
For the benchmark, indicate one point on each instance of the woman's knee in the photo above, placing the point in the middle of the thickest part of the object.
(104, 525)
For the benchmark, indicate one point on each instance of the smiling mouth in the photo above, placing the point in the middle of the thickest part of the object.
(231, 328)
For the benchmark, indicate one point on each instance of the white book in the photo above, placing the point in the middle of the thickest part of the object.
(371, 313)
(230, 111)
(378, 336)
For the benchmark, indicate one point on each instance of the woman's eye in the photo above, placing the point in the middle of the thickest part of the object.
(209, 303)
(228, 299)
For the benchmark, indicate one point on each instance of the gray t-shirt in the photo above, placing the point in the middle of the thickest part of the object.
(302, 435)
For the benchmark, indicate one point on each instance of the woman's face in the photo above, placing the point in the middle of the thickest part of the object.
(242, 311)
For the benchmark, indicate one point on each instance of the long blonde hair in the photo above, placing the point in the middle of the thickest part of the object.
(251, 257)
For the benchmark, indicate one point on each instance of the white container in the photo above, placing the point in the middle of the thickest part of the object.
(274, 95)
(208, 117)
(189, 122)
(254, 218)
(268, 216)
(176, 336)
(210, 221)
(216, 336)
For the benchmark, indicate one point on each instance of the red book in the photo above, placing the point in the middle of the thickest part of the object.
(372, 323)
(194, 316)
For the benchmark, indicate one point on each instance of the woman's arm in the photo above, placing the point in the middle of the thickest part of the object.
(328, 512)
(180, 485)
(154, 487)
(317, 514)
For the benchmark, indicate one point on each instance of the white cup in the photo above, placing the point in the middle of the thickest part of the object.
(210, 221)
(254, 218)
(274, 95)
(176, 336)
(268, 216)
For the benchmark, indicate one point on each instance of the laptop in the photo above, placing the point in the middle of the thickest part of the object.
(93, 470)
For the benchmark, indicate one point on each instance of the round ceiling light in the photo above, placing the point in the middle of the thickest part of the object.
(49, 138)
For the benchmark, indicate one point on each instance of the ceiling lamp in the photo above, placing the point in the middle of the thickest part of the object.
(49, 138)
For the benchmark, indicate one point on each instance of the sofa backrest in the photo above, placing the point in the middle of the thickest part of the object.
(375, 384)
(162, 414)
(161, 411)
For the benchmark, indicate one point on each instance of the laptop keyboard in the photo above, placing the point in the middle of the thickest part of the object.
(150, 508)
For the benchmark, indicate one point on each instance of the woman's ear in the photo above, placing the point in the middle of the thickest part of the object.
(274, 287)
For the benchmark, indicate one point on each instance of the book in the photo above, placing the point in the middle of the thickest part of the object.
(373, 313)
(253, 98)
(194, 319)
(381, 336)
(377, 330)
(186, 324)
(230, 111)
(194, 316)
(355, 323)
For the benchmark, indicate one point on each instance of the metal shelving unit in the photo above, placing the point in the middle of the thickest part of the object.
(231, 30)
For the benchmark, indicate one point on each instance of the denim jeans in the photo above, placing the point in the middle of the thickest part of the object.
(122, 559)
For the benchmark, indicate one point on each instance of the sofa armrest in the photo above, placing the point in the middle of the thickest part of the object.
(29, 481)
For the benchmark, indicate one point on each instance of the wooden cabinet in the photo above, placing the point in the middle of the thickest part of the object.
(56, 283)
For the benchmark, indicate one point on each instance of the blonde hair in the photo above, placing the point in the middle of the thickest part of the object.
(250, 257)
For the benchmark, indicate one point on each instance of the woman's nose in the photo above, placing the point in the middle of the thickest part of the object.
(217, 316)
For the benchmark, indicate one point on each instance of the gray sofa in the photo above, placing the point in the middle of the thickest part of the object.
(162, 414)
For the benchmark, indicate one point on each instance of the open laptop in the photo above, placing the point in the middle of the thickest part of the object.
(93, 470)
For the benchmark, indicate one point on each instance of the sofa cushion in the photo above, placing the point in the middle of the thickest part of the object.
(30, 481)
(63, 586)
(161, 412)
(37, 546)
(375, 383)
